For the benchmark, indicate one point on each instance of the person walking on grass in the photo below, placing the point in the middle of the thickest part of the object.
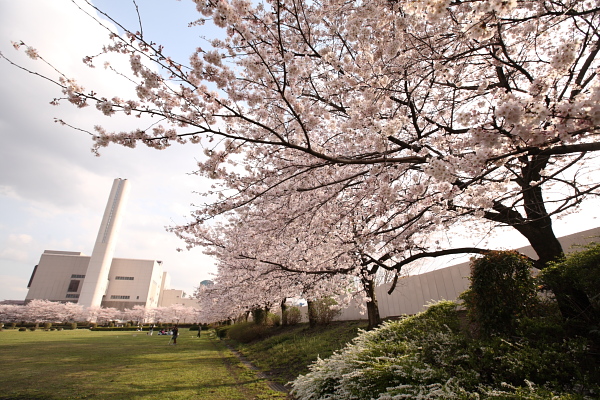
(175, 334)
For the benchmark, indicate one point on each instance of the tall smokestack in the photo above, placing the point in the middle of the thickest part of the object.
(96, 278)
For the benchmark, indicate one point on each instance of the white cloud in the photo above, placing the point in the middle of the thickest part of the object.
(19, 238)
(18, 285)
(14, 254)
(52, 189)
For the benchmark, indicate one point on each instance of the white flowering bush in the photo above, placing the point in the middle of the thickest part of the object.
(431, 356)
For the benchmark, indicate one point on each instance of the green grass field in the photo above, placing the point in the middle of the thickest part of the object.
(287, 352)
(82, 364)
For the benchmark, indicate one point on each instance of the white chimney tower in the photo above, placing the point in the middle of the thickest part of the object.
(96, 278)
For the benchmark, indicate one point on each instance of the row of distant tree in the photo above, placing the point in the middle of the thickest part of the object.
(41, 311)
(344, 138)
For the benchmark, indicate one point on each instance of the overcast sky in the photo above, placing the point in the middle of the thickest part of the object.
(53, 190)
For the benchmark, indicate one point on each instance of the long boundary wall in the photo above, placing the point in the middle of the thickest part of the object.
(413, 293)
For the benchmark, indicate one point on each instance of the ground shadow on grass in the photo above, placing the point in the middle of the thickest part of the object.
(124, 367)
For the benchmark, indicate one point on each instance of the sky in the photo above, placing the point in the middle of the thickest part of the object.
(53, 190)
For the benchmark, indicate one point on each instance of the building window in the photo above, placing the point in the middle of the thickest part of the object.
(115, 297)
(75, 276)
(72, 296)
(73, 286)
(124, 278)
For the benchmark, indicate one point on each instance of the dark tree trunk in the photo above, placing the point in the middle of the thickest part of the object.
(312, 315)
(543, 240)
(536, 226)
(284, 320)
(372, 305)
(573, 303)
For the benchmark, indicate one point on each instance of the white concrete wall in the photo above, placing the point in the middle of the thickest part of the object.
(143, 272)
(413, 293)
(170, 297)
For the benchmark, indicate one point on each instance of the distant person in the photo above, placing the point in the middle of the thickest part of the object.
(151, 331)
(199, 330)
(175, 334)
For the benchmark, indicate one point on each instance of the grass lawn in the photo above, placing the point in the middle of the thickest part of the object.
(82, 364)
(287, 352)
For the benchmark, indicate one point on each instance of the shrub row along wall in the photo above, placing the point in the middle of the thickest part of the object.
(413, 293)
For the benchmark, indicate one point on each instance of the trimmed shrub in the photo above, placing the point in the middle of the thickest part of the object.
(273, 319)
(579, 270)
(246, 332)
(324, 310)
(74, 325)
(502, 291)
(114, 328)
(221, 331)
(22, 329)
(259, 316)
(293, 315)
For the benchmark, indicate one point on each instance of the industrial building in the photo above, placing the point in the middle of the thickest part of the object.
(100, 280)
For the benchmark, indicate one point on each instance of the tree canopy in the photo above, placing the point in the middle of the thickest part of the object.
(342, 135)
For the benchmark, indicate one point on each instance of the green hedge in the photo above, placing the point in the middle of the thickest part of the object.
(502, 291)
(221, 331)
(114, 328)
(579, 270)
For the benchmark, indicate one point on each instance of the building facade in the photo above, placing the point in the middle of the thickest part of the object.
(61, 275)
(101, 280)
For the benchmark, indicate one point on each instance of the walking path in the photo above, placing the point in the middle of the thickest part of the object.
(273, 385)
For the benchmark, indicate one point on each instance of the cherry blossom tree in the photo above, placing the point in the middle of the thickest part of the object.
(103, 315)
(45, 311)
(243, 285)
(71, 312)
(188, 314)
(138, 314)
(420, 114)
(275, 251)
(176, 313)
(11, 312)
(41, 311)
